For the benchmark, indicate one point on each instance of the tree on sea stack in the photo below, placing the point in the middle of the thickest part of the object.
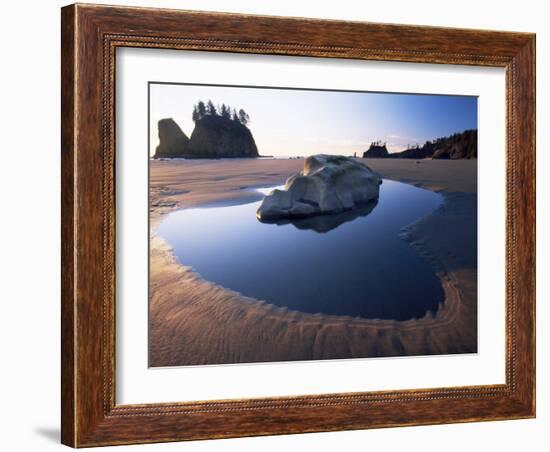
(201, 108)
(195, 115)
(243, 117)
(225, 111)
(211, 109)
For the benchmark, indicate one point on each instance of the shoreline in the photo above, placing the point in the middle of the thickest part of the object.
(225, 327)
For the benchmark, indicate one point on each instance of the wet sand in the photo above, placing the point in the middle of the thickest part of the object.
(196, 322)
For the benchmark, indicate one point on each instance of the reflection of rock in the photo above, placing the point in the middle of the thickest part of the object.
(326, 223)
(328, 184)
(172, 141)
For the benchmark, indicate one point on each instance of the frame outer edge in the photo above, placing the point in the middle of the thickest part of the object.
(86, 419)
(534, 225)
(525, 61)
(68, 242)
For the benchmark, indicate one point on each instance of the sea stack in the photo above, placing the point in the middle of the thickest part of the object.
(327, 184)
(172, 141)
(376, 151)
(215, 136)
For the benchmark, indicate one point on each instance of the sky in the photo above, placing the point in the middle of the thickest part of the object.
(296, 122)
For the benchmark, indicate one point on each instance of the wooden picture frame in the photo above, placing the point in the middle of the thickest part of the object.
(90, 36)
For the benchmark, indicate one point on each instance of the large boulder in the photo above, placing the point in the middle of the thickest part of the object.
(216, 137)
(172, 141)
(328, 184)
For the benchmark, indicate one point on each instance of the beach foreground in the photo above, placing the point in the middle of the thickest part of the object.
(193, 321)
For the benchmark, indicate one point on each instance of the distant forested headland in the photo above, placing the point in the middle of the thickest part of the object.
(456, 146)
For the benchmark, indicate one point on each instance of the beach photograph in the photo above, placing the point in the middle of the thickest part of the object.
(291, 224)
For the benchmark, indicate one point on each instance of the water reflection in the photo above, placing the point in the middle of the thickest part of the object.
(351, 264)
(326, 223)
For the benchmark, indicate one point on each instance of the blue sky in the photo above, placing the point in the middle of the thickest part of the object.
(288, 122)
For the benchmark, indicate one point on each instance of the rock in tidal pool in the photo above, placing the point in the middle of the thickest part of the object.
(327, 184)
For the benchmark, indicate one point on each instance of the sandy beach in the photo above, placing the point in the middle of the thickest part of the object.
(194, 321)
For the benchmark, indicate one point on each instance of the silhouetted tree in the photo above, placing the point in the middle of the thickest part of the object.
(243, 117)
(201, 109)
(225, 112)
(211, 109)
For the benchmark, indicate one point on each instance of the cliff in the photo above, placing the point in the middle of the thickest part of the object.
(458, 146)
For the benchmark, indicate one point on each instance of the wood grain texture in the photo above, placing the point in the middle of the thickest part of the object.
(67, 226)
(90, 36)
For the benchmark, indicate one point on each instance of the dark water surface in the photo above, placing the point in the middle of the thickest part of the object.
(350, 264)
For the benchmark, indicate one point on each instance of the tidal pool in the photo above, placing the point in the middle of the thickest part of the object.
(352, 264)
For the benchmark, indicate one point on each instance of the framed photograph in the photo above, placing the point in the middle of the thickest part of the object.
(282, 225)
